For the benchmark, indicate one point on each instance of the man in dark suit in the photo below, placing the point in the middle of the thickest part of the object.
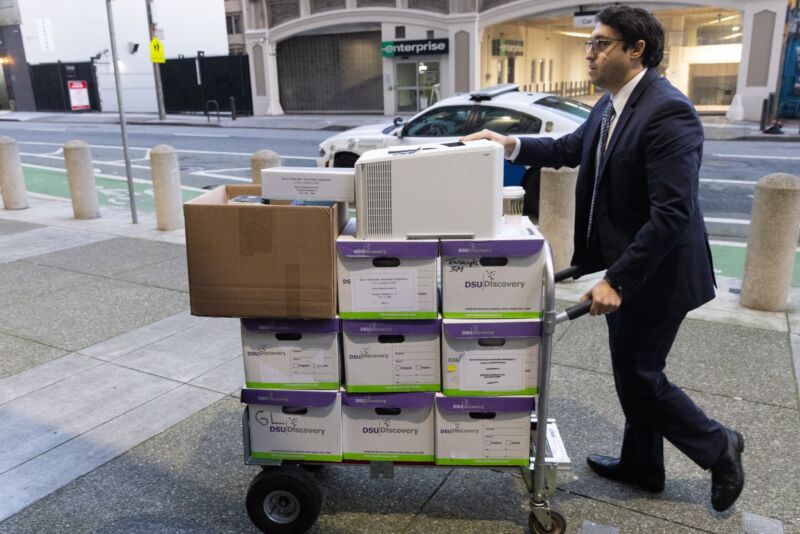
(638, 217)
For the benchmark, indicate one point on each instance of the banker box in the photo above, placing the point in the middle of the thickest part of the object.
(484, 358)
(395, 427)
(494, 278)
(385, 356)
(294, 425)
(483, 431)
(291, 354)
(387, 279)
(260, 260)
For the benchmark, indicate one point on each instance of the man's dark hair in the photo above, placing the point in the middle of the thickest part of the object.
(636, 24)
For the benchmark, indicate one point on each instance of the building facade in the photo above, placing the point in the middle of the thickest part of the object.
(398, 56)
(47, 44)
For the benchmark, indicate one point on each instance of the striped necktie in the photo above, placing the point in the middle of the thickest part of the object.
(608, 116)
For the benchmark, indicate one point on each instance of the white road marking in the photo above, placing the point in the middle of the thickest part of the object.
(744, 156)
(46, 130)
(726, 221)
(732, 182)
(198, 135)
(180, 150)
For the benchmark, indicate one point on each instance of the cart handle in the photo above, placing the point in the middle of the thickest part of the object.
(578, 310)
(573, 271)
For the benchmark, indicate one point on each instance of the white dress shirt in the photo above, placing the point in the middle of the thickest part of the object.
(618, 101)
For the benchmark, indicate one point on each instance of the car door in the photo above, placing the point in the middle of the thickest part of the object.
(440, 124)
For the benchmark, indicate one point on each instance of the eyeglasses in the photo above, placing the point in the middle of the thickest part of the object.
(600, 45)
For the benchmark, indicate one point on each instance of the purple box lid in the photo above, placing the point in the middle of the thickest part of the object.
(377, 328)
(288, 398)
(484, 404)
(310, 326)
(393, 249)
(504, 247)
(388, 400)
(489, 329)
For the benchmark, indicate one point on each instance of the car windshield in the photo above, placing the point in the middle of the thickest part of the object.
(570, 107)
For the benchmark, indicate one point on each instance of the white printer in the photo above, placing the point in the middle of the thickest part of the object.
(439, 190)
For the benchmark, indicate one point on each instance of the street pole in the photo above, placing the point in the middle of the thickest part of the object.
(156, 66)
(121, 105)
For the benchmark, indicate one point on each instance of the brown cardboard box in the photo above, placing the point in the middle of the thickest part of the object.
(258, 260)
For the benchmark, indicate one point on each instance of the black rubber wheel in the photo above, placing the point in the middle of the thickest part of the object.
(283, 500)
(558, 525)
(530, 182)
(345, 160)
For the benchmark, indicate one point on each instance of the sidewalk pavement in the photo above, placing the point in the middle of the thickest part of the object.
(119, 410)
(715, 127)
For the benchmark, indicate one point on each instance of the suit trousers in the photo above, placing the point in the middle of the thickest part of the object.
(655, 408)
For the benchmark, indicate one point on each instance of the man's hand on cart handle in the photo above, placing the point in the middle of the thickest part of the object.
(508, 142)
(605, 299)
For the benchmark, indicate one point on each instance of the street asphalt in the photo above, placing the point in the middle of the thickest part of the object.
(119, 411)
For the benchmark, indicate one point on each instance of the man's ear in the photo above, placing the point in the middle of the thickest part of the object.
(637, 49)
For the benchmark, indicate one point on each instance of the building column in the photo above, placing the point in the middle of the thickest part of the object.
(263, 74)
(762, 41)
(463, 73)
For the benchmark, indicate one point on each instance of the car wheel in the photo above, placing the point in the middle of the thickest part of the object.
(530, 182)
(345, 160)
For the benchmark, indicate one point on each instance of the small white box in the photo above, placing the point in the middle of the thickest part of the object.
(395, 427)
(291, 354)
(387, 279)
(483, 431)
(495, 278)
(392, 356)
(336, 184)
(490, 358)
(295, 425)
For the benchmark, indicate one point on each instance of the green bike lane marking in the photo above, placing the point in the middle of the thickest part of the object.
(110, 192)
(729, 261)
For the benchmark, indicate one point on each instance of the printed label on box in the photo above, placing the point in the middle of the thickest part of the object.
(503, 370)
(384, 289)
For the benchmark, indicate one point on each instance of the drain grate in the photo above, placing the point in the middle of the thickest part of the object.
(595, 528)
(757, 524)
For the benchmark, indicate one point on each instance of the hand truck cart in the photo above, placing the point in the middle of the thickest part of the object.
(284, 498)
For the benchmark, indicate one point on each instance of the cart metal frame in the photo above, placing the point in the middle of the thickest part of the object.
(541, 476)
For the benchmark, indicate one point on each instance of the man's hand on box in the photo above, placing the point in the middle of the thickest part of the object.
(507, 141)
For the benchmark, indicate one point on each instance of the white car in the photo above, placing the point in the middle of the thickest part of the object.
(502, 108)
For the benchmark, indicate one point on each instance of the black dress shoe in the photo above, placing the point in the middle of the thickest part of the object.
(608, 467)
(727, 474)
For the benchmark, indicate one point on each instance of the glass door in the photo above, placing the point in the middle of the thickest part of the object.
(406, 87)
(418, 85)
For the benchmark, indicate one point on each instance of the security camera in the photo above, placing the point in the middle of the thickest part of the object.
(133, 47)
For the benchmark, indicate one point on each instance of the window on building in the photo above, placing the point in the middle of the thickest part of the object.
(430, 34)
(234, 22)
(399, 32)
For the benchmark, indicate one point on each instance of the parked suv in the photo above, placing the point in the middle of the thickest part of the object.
(502, 108)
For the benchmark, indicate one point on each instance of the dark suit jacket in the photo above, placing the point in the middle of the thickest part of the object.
(650, 232)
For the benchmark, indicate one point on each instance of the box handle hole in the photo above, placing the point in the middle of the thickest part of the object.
(288, 336)
(388, 411)
(294, 410)
(391, 338)
(494, 261)
(482, 415)
(386, 262)
(491, 342)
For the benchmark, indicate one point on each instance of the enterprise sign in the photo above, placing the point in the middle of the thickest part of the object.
(423, 47)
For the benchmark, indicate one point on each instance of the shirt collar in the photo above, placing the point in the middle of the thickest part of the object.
(621, 98)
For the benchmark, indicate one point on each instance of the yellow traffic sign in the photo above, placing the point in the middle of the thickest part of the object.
(157, 51)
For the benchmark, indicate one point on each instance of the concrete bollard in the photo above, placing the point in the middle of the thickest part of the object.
(557, 212)
(263, 159)
(771, 244)
(12, 183)
(166, 176)
(82, 187)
